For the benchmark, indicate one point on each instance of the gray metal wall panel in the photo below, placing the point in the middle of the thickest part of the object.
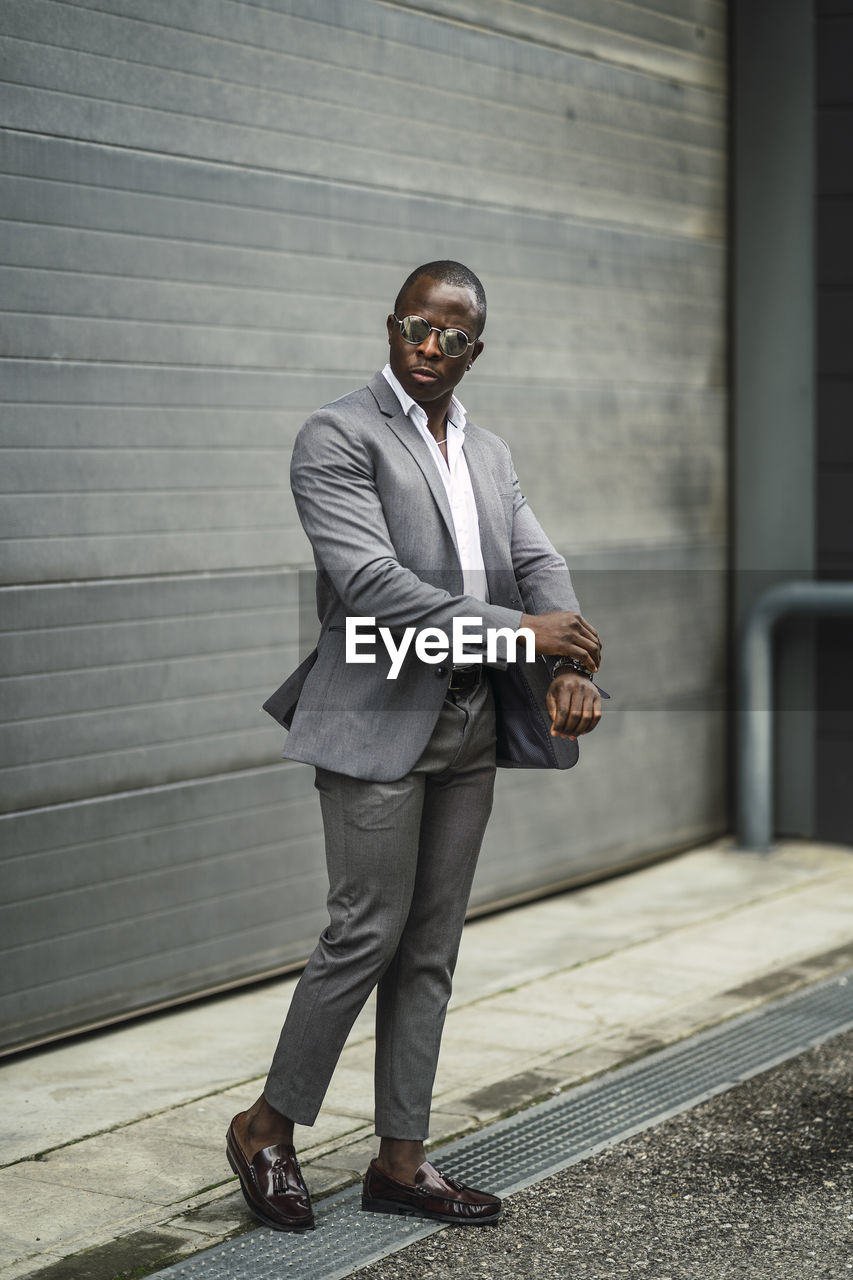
(152, 108)
(110, 686)
(638, 800)
(207, 212)
(145, 896)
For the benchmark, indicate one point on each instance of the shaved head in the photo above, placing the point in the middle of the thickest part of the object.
(446, 271)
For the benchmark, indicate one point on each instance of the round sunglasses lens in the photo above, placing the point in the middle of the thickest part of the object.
(453, 342)
(414, 329)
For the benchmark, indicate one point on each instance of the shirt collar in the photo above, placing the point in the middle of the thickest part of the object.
(456, 414)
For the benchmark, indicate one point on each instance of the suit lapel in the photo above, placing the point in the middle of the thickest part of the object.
(490, 514)
(408, 434)
(490, 507)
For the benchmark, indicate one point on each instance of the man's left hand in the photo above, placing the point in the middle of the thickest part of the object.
(574, 705)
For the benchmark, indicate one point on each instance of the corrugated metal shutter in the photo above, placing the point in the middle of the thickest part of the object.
(207, 212)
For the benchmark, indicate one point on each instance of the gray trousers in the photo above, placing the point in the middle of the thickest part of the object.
(401, 858)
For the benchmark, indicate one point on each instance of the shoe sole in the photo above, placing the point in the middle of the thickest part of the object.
(275, 1223)
(370, 1204)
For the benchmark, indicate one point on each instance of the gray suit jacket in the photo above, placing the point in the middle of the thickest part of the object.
(377, 515)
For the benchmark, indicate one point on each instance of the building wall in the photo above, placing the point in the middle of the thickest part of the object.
(834, 463)
(773, 366)
(207, 212)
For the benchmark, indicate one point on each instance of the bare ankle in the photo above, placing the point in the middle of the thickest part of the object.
(265, 1127)
(401, 1158)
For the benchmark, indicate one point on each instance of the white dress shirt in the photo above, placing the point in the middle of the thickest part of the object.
(456, 479)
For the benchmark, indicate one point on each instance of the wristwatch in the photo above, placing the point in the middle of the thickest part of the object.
(564, 663)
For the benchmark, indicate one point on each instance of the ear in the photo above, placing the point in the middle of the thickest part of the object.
(476, 350)
(389, 325)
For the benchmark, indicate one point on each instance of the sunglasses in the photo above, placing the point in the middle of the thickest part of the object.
(453, 342)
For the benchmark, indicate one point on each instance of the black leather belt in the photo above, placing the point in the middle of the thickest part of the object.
(465, 679)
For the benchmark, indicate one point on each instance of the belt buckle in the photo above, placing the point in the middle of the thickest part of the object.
(464, 679)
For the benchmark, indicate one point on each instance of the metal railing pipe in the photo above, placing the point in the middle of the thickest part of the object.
(755, 695)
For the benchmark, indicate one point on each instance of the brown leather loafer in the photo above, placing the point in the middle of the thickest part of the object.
(433, 1196)
(272, 1185)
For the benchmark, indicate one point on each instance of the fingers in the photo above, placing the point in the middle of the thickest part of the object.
(588, 629)
(574, 705)
(591, 634)
(566, 633)
(587, 652)
(586, 639)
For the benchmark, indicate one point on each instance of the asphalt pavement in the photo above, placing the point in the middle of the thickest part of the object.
(756, 1184)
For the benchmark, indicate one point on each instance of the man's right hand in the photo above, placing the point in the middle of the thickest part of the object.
(565, 633)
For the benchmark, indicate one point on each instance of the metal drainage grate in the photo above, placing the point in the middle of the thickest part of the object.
(527, 1147)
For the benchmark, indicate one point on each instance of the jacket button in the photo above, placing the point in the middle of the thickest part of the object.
(441, 672)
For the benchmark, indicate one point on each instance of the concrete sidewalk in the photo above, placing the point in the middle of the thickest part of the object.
(113, 1145)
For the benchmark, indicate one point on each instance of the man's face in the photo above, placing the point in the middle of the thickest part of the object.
(422, 369)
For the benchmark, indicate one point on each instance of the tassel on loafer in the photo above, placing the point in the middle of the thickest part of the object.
(272, 1185)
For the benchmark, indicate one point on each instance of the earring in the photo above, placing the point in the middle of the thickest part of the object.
(470, 364)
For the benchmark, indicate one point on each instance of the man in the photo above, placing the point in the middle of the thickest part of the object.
(416, 520)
